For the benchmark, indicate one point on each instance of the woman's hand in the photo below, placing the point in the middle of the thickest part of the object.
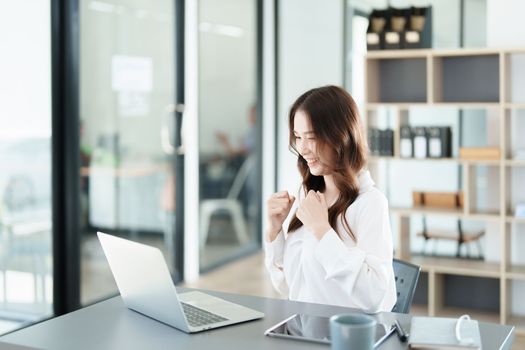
(278, 206)
(313, 213)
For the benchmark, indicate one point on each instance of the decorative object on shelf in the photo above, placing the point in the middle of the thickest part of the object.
(448, 200)
(519, 212)
(395, 30)
(460, 236)
(406, 143)
(400, 28)
(381, 142)
(420, 142)
(480, 153)
(419, 32)
(375, 32)
(439, 142)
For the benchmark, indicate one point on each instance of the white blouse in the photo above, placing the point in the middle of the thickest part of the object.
(339, 271)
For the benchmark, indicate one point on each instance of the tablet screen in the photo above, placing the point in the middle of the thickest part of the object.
(314, 329)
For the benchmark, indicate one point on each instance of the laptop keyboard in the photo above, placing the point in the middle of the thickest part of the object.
(198, 317)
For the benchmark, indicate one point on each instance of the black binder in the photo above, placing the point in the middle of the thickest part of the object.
(406, 143)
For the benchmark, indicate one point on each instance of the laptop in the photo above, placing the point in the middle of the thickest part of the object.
(145, 285)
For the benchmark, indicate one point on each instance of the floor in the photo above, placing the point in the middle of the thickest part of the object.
(256, 282)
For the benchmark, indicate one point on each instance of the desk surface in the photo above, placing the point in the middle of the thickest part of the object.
(110, 325)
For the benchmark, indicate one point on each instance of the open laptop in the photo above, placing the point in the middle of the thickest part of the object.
(145, 285)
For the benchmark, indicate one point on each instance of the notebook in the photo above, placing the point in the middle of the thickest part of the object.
(440, 333)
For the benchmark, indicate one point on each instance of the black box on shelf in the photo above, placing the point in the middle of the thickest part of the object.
(439, 142)
(418, 34)
(373, 141)
(386, 142)
(420, 142)
(406, 142)
(375, 33)
(398, 21)
(381, 142)
(400, 28)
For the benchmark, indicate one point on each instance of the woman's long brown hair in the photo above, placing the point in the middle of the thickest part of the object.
(337, 127)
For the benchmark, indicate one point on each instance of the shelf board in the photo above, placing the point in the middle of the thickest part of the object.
(517, 321)
(459, 213)
(466, 105)
(414, 53)
(515, 162)
(515, 272)
(515, 105)
(418, 53)
(377, 158)
(511, 219)
(457, 266)
(407, 105)
(457, 160)
(465, 52)
(455, 312)
(401, 105)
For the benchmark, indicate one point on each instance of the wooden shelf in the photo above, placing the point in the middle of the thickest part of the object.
(466, 105)
(512, 219)
(408, 105)
(404, 105)
(377, 158)
(455, 312)
(515, 272)
(459, 213)
(515, 162)
(415, 53)
(456, 160)
(457, 266)
(515, 105)
(466, 79)
(518, 322)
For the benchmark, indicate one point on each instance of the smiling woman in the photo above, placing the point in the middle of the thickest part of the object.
(337, 248)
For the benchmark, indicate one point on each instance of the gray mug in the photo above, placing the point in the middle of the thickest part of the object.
(352, 331)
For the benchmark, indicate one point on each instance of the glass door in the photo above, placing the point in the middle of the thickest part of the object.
(26, 264)
(129, 124)
(228, 130)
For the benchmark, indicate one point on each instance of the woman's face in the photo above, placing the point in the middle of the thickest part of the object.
(306, 145)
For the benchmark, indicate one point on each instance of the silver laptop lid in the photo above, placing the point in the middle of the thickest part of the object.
(143, 280)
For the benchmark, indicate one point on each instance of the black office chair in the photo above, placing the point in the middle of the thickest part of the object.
(406, 281)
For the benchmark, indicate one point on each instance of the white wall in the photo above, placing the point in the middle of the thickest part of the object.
(505, 23)
(310, 55)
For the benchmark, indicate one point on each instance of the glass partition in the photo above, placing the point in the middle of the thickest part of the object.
(228, 132)
(26, 265)
(127, 112)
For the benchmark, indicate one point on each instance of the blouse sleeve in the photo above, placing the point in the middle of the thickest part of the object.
(364, 271)
(274, 253)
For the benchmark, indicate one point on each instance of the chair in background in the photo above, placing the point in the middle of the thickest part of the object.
(406, 276)
(230, 204)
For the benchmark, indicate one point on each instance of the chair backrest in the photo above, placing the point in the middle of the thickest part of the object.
(241, 177)
(406, 276)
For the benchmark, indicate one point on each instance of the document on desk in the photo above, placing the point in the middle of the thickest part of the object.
(440, 333)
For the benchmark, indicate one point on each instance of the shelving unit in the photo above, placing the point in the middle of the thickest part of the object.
(406, 80)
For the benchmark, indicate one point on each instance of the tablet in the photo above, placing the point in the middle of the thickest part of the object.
(316, 329)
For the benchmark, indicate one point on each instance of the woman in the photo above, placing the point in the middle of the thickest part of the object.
(337, 248)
